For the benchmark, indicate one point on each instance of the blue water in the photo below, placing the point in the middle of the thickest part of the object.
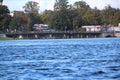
(60, 59)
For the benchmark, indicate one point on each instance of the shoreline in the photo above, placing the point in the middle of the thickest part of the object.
(7, 38)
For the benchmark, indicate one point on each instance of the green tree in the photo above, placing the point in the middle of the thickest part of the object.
(68, 17)
(77, 22)
(62, 17)
(31, 7)
(19, 22)
(4, 18)
(107, 14)
(61, 5)
(81, 5)
(34, 19)
(48, 18)
(63, 20)
(114, 20)
(93, 17)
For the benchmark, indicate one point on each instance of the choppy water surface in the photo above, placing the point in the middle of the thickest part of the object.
(60, 59)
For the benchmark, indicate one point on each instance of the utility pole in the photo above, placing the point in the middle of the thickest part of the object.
(1, 2)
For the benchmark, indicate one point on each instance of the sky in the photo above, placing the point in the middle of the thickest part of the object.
(48, 4)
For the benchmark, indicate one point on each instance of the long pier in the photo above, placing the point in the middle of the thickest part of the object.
(53, 35)
(58, 34)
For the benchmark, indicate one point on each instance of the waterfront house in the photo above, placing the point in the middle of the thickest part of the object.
(116, 28)
(40, 27)
(93, 28)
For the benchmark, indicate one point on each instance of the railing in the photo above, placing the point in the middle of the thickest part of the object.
(42, 32)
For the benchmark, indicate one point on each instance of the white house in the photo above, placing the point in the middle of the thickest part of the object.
(40, 27)
(117, 28)
(92, 28)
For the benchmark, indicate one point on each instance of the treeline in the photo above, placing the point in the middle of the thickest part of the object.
(64, 16)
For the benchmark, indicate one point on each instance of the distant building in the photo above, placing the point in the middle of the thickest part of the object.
(15, 13)
(107, 28)
(110, 28)
(92, 28)
(40, 27)
(117, 28)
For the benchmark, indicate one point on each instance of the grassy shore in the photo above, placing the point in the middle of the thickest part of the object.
(8, 38)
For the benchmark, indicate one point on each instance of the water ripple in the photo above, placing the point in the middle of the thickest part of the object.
(60, 59)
